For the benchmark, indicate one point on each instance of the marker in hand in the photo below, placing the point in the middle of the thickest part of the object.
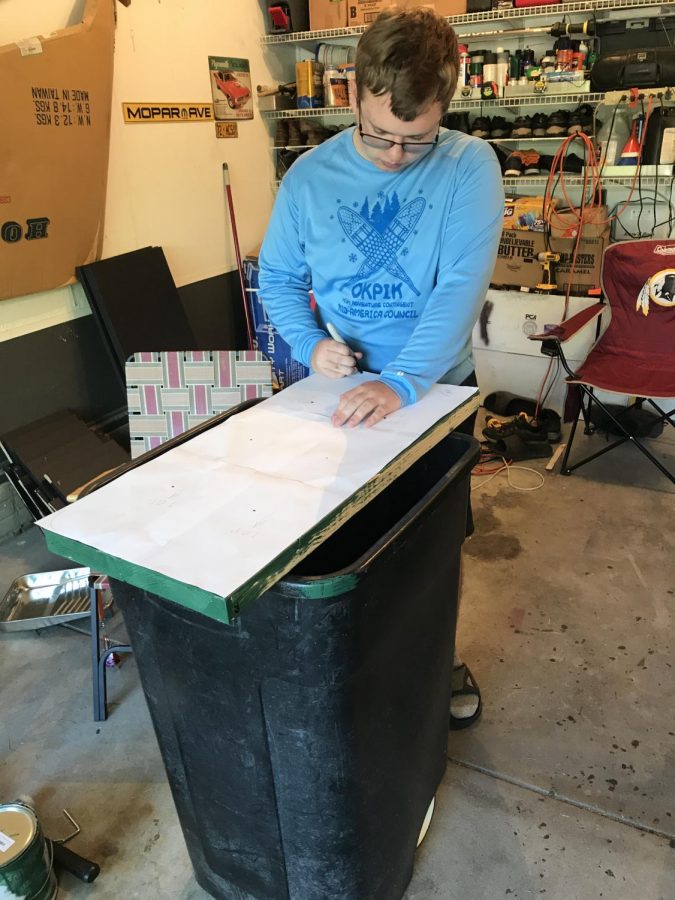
(335, 334)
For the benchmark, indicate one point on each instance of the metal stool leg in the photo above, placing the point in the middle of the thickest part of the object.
(98, 658)
(99, 696)
(101, 683)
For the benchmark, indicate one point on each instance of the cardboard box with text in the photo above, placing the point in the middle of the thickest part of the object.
(56, 96)
(517, 264)
(363, 12)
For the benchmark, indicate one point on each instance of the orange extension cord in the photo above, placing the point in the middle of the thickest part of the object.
(591, 191)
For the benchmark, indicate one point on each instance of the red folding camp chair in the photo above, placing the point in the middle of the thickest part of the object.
(636, 354)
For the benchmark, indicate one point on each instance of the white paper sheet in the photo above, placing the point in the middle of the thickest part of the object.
(217, 509)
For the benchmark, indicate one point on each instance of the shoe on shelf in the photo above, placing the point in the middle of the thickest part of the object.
(539, 124)
(525, 160)
(317, 134)
(581, 119)
(558, 123)
(522, 162)
(285, 159)
(522, 127)
(530, 160)
(481, 127)
(513, 167)
(310, 132)
(456, 122)
(571, 163)
(575, 123)
(502, 155)
(281, 133)
(499, 127)
(295, 135)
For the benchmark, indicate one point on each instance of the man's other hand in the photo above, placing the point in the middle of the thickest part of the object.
(371, 401)
(333, 359)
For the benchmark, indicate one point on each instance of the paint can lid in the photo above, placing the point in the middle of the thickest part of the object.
(18, 827)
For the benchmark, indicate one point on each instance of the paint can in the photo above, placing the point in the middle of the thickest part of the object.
(26, 870)
(309, 84)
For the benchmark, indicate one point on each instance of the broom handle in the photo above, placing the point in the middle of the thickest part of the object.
(235, 238)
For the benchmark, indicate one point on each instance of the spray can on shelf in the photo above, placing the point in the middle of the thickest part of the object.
(476, 69)
(564, 54)
(502, 69)
(490, 67)
(514, 66)
(335, 92)
(350, 75)
(464, 64)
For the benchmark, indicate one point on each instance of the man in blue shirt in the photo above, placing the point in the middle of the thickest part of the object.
(394, 225)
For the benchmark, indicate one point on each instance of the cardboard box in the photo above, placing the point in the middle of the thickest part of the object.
(328, 14)
(517, 264)
(565, 223)
(363, 12)
(586, 274)
(56, 96)
(450, 8)
(285, 369)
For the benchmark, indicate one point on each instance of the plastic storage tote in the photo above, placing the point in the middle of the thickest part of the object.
(304, 741)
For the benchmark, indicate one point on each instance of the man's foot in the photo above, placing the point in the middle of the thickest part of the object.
(465, 700)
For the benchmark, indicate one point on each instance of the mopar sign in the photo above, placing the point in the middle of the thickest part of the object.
(137, 113)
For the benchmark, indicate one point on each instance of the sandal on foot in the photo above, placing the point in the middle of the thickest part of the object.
(461, 675)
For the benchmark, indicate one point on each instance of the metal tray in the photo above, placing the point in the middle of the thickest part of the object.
(45, 598)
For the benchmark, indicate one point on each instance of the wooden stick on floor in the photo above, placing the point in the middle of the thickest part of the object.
(557, 453)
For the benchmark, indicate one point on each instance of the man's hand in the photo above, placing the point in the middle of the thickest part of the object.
(334, 360)
(371, 401)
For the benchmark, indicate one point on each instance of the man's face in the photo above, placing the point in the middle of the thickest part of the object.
(377, 120)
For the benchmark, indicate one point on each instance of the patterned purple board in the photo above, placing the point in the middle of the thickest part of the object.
(169, 392)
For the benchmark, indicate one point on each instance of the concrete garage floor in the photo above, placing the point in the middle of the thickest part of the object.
(564, 790)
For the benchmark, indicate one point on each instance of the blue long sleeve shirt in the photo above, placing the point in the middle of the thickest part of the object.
(399, 262)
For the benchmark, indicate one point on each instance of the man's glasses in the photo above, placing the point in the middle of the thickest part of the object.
(380, 143)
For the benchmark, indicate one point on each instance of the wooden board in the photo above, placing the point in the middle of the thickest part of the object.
(216, 522)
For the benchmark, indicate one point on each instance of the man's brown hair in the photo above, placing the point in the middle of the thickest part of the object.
(411, 55)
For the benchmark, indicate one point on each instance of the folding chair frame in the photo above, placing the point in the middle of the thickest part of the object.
(551, 345)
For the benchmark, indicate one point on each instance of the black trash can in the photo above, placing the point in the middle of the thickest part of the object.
(304, 741)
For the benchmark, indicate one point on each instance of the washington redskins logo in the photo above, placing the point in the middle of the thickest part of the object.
(659, 289)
